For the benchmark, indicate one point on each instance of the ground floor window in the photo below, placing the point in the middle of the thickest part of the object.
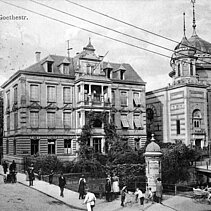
(14, 147)
(51, 146)
(97, 144)
(137, 144)
(34, 146)
(7, 146)
(67, 146)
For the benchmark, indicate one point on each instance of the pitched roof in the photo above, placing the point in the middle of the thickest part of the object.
(130, 73)
(57, 60)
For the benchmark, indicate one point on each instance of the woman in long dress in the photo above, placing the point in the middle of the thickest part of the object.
(115, 185)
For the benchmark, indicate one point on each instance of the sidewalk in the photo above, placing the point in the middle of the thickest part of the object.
(177, 203)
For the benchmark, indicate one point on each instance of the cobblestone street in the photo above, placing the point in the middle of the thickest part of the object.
(17, 197)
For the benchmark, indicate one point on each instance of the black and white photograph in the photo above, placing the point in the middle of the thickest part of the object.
(105, 105)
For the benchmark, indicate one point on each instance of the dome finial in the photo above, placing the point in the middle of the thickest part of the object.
(152, 139)
(184, 23)
(194, 20)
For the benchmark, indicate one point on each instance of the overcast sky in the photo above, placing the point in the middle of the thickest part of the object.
(20, 39)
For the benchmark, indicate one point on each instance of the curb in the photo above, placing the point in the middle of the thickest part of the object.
(71, 206)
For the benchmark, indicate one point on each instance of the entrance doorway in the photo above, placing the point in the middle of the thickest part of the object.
(198, 143)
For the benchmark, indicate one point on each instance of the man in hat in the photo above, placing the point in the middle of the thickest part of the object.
(108, 188)
(62, 183)
(89, 200)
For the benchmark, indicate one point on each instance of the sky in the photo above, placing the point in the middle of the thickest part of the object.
(20, 39)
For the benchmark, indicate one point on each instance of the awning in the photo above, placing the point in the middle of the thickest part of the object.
(137, 101)
(137, 122)
(124, 121)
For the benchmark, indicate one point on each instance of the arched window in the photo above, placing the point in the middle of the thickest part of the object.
(197, 118)
(179, 73)
(191, 69)
(149, 115)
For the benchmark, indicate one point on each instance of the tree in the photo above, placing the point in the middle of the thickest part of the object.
(176, 162)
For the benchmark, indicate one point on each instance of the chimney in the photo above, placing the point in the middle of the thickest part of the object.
(37, 56)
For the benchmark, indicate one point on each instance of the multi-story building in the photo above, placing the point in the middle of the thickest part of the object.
(46, 104)
(1, 125)
(182, 110)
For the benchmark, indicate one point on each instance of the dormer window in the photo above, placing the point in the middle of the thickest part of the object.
(191, 69)
(122, 75)
(122, 72)
(66, 69)
(48, 64)
(49, 67)
(179, 73)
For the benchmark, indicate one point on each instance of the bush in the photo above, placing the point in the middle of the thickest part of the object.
(46, 163)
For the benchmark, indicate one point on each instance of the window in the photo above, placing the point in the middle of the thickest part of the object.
(34, 119)
(124, 121)
(197, 118)
(14, 147)
(15, 121)
(8, 123)
(179, 70)
(51, 94)
(8, 99)
(7, 147)
(136, 99)
(51, 146)
(109, 72)
(34, 95)
(137, 121)
(124, 99)
(16, 95)
(137, 144)
(178, 126)
(97, 144)
(34, 146)
(113, 97)
(51, 119)
(97, 121)
(191, 69)
(49, 67)
(66, 95)
(67, 146)
(67, 119)
(66, 69)
(122, 75)
(149, 115)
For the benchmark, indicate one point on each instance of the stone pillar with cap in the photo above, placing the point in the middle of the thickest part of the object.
(153, 163)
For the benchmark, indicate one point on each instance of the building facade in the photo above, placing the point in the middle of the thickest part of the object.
(181, 112)
(46, 105)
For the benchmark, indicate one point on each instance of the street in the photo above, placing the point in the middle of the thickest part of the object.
(17, 197)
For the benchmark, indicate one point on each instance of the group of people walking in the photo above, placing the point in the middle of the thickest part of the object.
(142, 197)
(11, 177)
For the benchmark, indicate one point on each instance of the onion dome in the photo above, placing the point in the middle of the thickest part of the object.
(152, 148)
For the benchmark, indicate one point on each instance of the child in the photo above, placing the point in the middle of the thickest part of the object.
(140, 196)
(149, 195)
(123, 195)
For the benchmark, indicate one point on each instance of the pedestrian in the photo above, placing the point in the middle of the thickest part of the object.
(108, 188)
(31, 174)
(123, 195)
(149, 195)
(115, 185)
(140, 197)
(40, 174)
(89, 200)
(51, 177)
(159, 190)
(62, 183)
(82, 186)
(13, 171)
(5, 167)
